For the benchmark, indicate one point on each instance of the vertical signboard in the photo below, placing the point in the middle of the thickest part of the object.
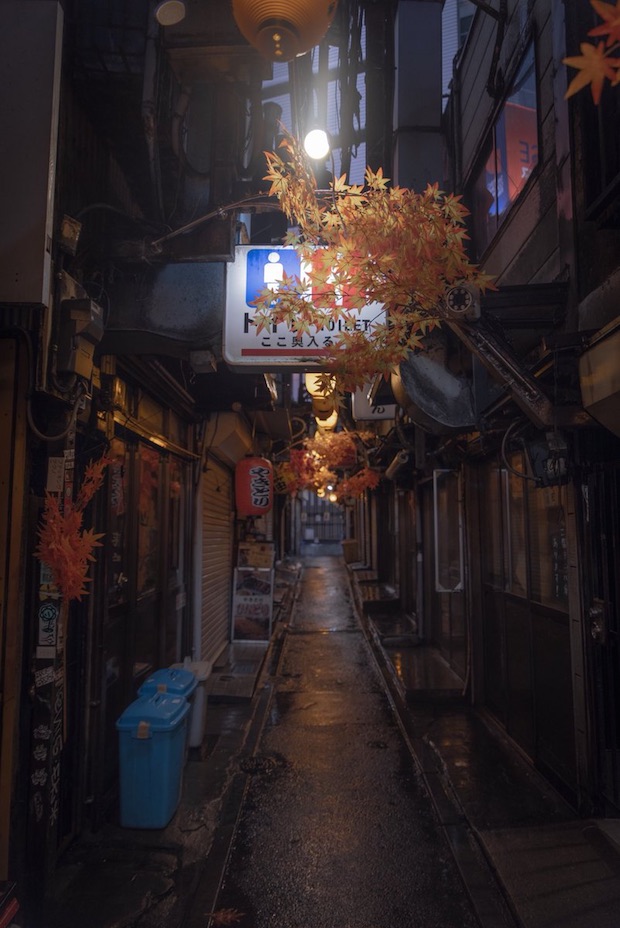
(252, 604)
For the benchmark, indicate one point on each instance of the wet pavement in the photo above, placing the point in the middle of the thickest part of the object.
(355, 789)
(337, 828)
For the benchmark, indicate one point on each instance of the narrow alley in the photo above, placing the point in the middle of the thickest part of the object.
(337, 828)
(309, 464)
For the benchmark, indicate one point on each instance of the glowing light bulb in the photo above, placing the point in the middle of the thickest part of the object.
(316, 144)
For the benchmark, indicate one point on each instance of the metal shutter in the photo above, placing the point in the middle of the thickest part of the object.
(217, 546)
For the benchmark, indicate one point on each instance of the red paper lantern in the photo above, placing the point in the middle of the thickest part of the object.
(254, 487)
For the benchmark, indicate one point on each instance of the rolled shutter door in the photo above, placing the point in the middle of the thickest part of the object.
(217, 546)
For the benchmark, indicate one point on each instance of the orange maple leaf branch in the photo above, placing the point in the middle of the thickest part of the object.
(63, 544)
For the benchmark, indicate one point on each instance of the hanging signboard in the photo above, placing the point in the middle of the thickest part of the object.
(253, 486)
(252, 604)
(259, 266)
(363, 410)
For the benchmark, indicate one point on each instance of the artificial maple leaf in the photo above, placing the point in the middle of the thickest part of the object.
(64, 546)
(594, 68)
(611, 26)
(93, 478)
(375, 179)
(364, 245)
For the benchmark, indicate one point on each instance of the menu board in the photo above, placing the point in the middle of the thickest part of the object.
(252, 604)
(255, 554)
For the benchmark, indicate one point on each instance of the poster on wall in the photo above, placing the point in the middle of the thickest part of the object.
(255, 554)
(252, 604)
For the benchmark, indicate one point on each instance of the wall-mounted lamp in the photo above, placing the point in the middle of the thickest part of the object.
(314, 384)
(170, 12)
(283, 29)
(328, 424)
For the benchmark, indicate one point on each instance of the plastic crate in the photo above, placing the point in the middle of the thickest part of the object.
(152, 738)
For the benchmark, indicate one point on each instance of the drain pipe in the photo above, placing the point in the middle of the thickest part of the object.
(149, 106)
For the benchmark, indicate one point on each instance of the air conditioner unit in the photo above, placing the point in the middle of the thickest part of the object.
(463, 302)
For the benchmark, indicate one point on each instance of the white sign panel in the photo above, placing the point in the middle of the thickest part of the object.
(362, 409)
(259, 266)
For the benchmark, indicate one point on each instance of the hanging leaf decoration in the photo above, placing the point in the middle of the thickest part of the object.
(598, 63)
(363, 245)
(65, 546)
(328, 458)
(357, 484)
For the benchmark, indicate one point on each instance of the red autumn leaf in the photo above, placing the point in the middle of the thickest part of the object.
(64, 545)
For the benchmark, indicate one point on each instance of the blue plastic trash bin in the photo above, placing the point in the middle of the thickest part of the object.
(172, 680)
(197, 718)
(152, 736)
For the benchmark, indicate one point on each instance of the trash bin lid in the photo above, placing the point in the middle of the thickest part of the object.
(160, 711)
(178, 682)
(200, 669)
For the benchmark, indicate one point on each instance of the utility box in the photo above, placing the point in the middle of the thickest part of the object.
(31, 41)
(152, 738)
(198, 712)
(350, 551)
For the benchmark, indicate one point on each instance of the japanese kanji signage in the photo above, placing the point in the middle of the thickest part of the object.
(260, 266)
(363, 410)
(254, 486)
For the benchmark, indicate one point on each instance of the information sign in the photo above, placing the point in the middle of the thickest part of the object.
(259, 266)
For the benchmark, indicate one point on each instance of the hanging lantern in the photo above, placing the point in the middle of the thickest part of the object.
(283, 29)
(329, 423)
(254, 486)
(315, 385)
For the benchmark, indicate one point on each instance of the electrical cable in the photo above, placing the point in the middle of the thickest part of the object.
(509, 467)
(80, 390)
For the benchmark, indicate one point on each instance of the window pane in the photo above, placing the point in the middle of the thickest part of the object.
(516, 136)
(491, 527)
(516, 578)
(548, 558)
(484, 202)
(448, 534)
(508, 158)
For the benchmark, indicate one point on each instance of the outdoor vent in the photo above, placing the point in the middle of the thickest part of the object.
(283, 29)
(463, 302)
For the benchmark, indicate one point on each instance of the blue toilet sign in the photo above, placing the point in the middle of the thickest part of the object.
(265, 267)
(255, 268)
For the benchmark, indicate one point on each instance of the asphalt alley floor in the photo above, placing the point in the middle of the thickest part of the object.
(523, 856)
(337, 829)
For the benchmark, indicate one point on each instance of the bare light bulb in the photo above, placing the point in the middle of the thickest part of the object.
(316, 144)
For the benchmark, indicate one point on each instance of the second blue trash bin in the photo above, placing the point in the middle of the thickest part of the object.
(172, 680)
(152, 736)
